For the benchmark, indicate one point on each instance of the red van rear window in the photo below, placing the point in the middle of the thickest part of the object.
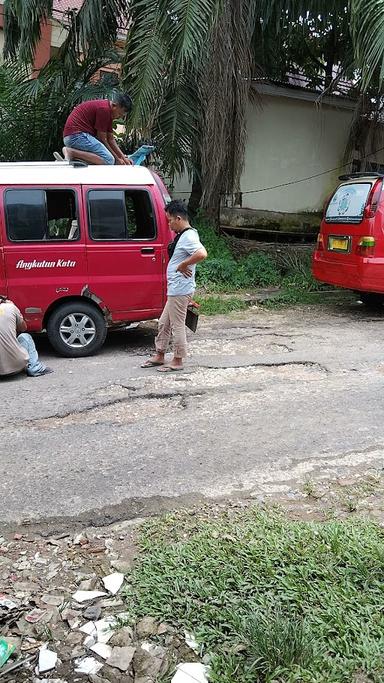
(348, 203)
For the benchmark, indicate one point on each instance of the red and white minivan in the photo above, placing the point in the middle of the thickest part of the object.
(350, 245)
(82, 248)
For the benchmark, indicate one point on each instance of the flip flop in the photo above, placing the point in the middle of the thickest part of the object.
(151, 364)
(169, 368)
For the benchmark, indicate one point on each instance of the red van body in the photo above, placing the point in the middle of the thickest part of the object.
(350, 245)
(82, 248)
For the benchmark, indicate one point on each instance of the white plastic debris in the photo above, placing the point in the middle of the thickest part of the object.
(113, 582)
(87, 665)
(82, 596)
(191, 641)
(104, 651)
(191, 673)
(47, 660)
(6, 602)
(100, 631)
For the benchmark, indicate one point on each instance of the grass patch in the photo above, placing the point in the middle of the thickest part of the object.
(214, 305)
(273, 601)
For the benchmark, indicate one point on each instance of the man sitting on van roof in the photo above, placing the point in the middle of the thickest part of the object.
(17, 349)
(88, 133)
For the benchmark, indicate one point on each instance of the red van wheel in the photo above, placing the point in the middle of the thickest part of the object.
(371, 299)
(76, 329)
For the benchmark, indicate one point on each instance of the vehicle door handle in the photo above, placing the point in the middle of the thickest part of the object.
(148, 250)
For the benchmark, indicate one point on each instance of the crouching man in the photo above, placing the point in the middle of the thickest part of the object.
(17, 348)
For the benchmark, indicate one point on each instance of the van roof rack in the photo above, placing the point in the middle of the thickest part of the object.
(76, 163)
(361, 174)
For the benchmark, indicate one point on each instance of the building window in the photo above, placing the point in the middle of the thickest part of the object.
(40, 215)
(121, 215)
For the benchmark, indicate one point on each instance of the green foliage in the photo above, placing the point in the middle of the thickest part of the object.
(33, 112)
(216, 305)
(223, 272)
(272, 600)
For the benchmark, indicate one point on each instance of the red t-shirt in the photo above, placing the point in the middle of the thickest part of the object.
(89, 117)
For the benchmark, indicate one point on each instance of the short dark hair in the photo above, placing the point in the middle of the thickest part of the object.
(123, 100)
(177, 208)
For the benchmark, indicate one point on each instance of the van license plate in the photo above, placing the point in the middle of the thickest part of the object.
(338, 243)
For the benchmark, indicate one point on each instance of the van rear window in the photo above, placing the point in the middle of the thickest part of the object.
(35, 215)
(348, 203)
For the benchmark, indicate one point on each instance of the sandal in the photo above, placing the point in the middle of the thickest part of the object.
(169, 368)
(151, 364)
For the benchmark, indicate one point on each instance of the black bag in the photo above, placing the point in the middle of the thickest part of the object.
(192, 318)
(172, 245)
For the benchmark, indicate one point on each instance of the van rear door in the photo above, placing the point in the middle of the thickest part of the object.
(125, 248)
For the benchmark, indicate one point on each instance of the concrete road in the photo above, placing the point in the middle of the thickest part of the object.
(268, 400)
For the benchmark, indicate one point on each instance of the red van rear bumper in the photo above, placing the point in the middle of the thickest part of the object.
(364, 275)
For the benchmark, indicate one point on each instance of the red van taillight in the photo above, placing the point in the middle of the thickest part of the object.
(366, 246)
(373, 199)
(320, 242)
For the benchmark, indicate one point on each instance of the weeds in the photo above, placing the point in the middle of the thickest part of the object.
(222, 272)
(214, 305)
(271, 600)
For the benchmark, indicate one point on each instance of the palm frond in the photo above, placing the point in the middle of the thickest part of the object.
(189, 25)
(22, 27)
(144, 67)
(93, 28)
(368, 29)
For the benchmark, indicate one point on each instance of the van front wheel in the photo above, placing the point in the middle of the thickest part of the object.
(76, 329)
(372, 300)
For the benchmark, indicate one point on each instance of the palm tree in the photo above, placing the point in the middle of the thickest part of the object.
(189, 64)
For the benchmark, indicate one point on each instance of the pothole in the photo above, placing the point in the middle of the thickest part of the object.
(219, 377)
(119, 413)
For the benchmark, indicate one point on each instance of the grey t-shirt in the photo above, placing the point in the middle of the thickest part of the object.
(177, 283)
(13, 357)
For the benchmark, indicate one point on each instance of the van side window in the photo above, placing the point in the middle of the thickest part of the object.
(121, 215)
(39, 215)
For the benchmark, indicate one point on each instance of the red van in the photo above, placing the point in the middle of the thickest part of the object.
(82, 248)
(350, 245)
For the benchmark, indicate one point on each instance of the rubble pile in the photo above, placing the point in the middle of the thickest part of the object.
(63, 618)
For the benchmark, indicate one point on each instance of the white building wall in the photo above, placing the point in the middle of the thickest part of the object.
(289, 138)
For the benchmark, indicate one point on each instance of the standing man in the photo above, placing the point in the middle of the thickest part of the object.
(185, 252)
(88, 133)
(17, 349)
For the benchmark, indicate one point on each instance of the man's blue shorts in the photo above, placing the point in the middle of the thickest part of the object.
(85, 142)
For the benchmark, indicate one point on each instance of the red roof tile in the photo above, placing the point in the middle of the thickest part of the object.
(64, 5)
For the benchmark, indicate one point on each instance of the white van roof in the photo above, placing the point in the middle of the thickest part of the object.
(66, 173)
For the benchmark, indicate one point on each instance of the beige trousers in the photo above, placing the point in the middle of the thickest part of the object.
(172, 323)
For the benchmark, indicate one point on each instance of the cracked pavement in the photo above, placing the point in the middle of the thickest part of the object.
(268, 399)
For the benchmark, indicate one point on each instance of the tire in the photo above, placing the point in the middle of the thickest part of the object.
(371, 300)
(76, 329)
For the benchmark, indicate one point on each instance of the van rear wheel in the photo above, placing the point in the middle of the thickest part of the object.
(76, 329)
(371, 299)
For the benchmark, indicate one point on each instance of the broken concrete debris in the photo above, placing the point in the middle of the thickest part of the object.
(63, 620)
(113, 582)
(191, 673)
(47, 660)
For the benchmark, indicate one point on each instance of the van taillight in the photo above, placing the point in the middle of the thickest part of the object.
(320, 242)
(366, 246)
(373, 200)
